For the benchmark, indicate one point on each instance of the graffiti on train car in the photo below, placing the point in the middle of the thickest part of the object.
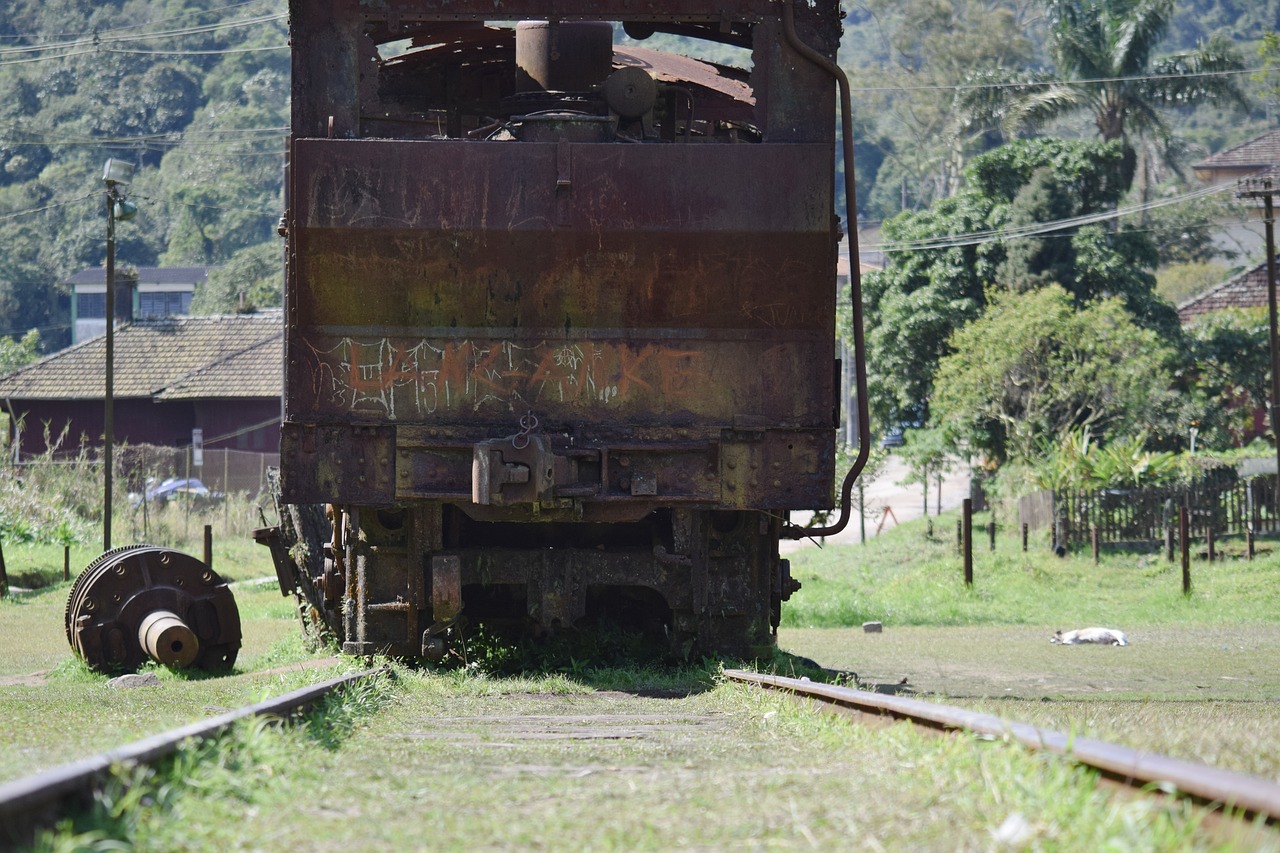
(412, 378)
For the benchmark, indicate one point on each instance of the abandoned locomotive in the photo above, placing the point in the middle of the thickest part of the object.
(559, 315)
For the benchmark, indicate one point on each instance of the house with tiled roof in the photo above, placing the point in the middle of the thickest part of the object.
(221, 374)
(1247, 289)
(1248, 159)
(143, 293)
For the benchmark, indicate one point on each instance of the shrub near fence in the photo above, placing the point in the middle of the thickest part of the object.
(1143, 514)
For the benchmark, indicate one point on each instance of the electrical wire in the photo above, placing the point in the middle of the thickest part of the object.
(183, 16)
(19, 213)
(961, 87)
(97, 40)
(978, 237)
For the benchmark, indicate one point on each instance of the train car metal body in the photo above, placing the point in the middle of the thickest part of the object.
(559, 314)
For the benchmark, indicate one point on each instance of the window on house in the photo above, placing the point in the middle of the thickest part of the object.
(164, 304)
(91, 305)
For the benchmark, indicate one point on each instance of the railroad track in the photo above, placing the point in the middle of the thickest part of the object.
(38, 800)
(1237, 793)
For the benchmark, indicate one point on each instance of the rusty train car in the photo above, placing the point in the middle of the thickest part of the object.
(559, 315)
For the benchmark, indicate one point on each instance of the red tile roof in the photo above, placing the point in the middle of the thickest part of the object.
(1259, 153)
(227, 356)
(1244, 290)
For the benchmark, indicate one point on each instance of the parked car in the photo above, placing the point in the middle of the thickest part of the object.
(892, 438)
(178, 489)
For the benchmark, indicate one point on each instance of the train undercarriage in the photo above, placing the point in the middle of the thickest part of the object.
(404, 581)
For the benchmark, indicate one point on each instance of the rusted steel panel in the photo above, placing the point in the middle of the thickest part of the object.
(420, 298)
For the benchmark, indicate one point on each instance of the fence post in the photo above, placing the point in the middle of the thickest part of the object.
(1025, 529)
(1093, 541)
(208, 546)
(966, 537)
(4, 575)
(960, 536)
(1248, 540)
(991, 534)
(1208, 536)
(1184, 542)
(66, 562)
(1168, 542)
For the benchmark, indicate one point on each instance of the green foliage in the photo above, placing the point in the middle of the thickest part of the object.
(252, 278)
(1105, 64)
(1077, 462)
(201, 116)
(1179, 282)
(1228, 371)
(924, 295)
(1037, 366)
(14, 354)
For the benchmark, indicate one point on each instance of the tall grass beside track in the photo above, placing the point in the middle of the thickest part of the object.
(904, 577)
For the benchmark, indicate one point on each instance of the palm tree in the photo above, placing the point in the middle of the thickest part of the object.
(1103, 50)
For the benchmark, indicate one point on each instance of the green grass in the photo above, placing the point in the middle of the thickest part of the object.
(905, 578)
(459, 761)
(235, 555)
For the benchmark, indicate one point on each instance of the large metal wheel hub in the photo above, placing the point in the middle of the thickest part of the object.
(143, 602)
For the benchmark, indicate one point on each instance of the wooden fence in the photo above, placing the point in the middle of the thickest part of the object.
(1143, 515)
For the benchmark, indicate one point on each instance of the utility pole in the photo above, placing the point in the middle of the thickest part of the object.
(1265, 189)
(115, 174)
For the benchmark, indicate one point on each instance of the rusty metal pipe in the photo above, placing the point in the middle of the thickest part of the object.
(855, 280)
(168, 640)
(1211, 785)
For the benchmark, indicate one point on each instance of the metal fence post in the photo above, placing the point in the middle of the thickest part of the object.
(208, 546)
(66, 562)
(966, 538)
(1025, 530)
(1184, 542)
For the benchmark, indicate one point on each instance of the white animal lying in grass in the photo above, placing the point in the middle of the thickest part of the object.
(1101, 636)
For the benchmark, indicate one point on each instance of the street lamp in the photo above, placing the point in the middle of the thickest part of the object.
(116, 173)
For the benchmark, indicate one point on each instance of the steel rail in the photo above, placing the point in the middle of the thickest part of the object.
(1210, 786)
(37, 800)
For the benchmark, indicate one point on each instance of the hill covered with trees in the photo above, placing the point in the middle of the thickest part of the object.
(193, 93)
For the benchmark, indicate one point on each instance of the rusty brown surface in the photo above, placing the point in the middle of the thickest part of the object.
(641, 265)
(141, 602)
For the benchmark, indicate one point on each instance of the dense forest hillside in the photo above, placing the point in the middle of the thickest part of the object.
(195, 93)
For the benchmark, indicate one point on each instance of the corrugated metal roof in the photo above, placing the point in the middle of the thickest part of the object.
(154, 356)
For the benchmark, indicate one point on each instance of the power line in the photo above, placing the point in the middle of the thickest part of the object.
(183, 16)
(97, 41)
(198, 52)
(975, 238)
(18, 213)
(1015, 84)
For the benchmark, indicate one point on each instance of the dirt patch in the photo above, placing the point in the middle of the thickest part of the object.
(32, 679)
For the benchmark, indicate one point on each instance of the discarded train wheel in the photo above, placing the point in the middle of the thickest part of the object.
(142, 601)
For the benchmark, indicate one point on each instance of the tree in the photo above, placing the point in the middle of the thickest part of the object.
(15, 354)
(1228, 372)
(1103, 51)
(941, 277)
(906, 56)
(253, 278)
(1036, 366)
